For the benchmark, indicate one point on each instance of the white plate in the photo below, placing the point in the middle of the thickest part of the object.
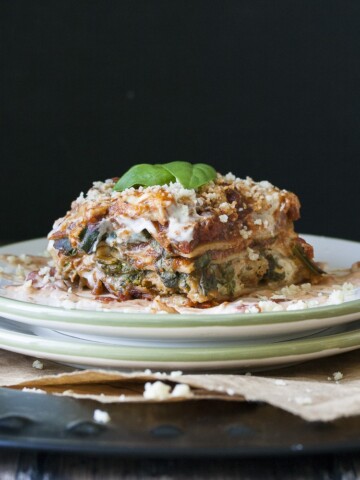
(17, 338)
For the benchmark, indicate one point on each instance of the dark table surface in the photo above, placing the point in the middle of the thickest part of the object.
(24, 465)
(50, 437)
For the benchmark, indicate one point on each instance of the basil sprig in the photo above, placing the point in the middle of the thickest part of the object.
(190, 176)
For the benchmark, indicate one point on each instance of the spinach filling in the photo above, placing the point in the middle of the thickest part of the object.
(163, 266)
(213, 276)
(88, 236)
(275, 272)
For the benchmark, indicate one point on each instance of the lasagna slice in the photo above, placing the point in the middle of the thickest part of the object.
(208, 245)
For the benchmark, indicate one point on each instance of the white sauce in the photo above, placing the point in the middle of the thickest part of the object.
(181, 224)
(130, 226)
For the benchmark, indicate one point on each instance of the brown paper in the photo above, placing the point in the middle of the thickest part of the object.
(309, 390)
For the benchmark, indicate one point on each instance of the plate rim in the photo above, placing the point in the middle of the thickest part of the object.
(37, 346)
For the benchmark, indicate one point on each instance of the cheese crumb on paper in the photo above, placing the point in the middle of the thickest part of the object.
(156, 391)
(37, 364)
(181, 390)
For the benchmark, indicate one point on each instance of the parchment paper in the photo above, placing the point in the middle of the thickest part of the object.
(324, 389)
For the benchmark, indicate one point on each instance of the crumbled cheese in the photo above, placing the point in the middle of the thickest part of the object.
(11, 259)
(156, 391)
(336, 297)
(230, 391)
(37, 364)
(28, 284)
(266, 184)
(24, 258)
(290, 290)
(225, 206)
(337, 376)
(229, 177)
(348, 287)
(252, 309)
(33, 390)
(300, 305)
(252, 255)
(210, 195)
(245, 233)
(20, 272)
(44, 271)
(258, 221)
(80, 198)
(176, 373)
(100, 416)
(179, 192)
(280, 383)
(148, 371)
(223, 218)
(273, 199)
(181, 390)
(312, 303)
(269, 306)
(98, 185)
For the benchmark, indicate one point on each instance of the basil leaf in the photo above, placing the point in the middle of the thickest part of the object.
(191, 176)
(144, 174)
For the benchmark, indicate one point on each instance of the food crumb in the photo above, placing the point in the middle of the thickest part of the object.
(33, 390)
(337, 376)
(176, 373)
(11, 259)
(156, 391)
(181, 390)
(37, 364)
(230, 391)
(100, 416)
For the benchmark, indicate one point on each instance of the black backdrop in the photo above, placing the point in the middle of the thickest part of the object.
(269, 89)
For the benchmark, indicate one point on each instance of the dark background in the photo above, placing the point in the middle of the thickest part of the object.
(269, 89)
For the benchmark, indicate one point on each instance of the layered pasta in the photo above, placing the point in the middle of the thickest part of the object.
(206, 246)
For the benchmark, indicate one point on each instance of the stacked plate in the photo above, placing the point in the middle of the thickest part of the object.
(187, 342)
